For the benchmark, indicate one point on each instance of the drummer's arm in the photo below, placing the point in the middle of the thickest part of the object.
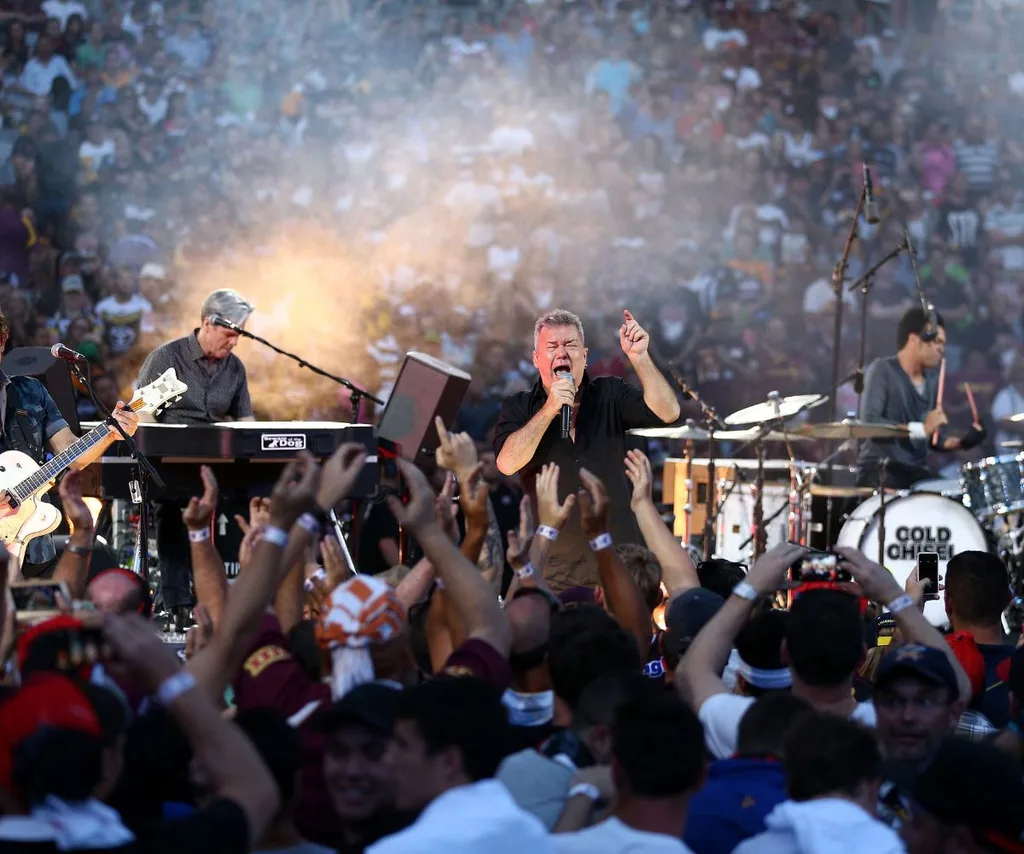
(875, 396)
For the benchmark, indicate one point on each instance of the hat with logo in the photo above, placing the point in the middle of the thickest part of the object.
(930, 664)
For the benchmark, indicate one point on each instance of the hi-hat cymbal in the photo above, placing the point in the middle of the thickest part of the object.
(751, 434)
(850, 428)
(773, 410)
(685, 432)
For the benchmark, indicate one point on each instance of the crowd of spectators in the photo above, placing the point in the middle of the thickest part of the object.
(472, 165)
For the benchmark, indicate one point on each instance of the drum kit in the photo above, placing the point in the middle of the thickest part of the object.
(744, 506)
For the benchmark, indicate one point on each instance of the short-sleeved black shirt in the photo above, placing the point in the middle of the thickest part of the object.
(608, 408)
(217, 388)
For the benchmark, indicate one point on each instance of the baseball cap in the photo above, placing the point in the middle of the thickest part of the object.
(372, 704)
(930, 664)
(976, 785)
(689, 612)
(73, 283)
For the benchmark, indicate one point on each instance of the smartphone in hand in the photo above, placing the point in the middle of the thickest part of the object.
(928, 567)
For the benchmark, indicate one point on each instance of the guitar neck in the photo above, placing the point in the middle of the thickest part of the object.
(53, 468)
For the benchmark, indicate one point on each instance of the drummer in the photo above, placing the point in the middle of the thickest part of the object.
(903, 389)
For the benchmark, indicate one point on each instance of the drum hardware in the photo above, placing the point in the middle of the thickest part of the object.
(993, 486)
(883, 464)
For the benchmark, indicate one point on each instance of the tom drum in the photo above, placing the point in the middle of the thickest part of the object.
(914, 522)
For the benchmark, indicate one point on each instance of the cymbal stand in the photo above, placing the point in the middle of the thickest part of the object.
(883, 464)
(711, 424)
(838, 274)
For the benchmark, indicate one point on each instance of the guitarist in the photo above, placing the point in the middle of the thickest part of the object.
(31, 423)
(218, 390)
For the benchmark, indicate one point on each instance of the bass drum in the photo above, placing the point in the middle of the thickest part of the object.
(915, 522)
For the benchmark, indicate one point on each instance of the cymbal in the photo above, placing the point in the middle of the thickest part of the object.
(1012, 444)
(842, 491)
(773, 410)
(750, 434)
(685, 432)
(850, 428)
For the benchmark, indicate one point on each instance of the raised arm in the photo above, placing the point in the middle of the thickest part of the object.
(677, 570)
(469, 594)
(658, 394)
(73, 566)
(207, 566)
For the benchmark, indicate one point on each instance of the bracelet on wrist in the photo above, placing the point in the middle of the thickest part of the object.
(900, 603)
(601, 542)
(547, 532)
(275, 536)
(174, 686)
(526, 571)
(200, 535)
(309, 523)
(79, 549)
(746, 590)
(587, 790)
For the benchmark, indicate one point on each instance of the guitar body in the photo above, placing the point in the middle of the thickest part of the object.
(33, 517)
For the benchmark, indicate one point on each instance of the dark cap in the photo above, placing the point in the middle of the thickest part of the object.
(976, 785)
(372, 704)
(689, 612)
(930, 664)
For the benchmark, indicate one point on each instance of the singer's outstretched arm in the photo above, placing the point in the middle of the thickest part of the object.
(658, 394)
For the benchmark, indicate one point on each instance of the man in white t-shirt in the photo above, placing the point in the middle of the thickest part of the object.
(1009, 402)
(124, 314)
(657, 766)
(823, 645)
(45, 67)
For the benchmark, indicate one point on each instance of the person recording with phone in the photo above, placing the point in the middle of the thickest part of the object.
(903, 390)
(218, 390)
(577, 421)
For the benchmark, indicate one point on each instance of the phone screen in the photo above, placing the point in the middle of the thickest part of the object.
(39, 595)
(928, 567)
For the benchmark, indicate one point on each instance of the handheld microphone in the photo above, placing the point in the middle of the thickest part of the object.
(217, 320)
(870, 205)
(59, 351)
(566, 408)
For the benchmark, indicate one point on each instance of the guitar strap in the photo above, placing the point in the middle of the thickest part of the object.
(18, 428)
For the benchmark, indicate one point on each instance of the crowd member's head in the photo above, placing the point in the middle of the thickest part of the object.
(967, 799)
(831, 757)
(529, 614)
(216, 341)
(824, 639)
(657, 756)
(685, 616)
(766, 725)
(720, 575)
(916, 700)
(448, 732)
(558, 346)
(589, 741)
(916, 338)
(977, 591)
(358, 729)
(760, 668)
(645, 569)
(120, 591)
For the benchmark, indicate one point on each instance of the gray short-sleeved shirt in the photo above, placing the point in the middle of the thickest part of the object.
(217, 388)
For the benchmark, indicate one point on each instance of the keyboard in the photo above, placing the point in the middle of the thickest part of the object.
(247, 457)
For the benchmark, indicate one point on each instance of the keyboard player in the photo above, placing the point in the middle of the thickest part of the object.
(218, 390)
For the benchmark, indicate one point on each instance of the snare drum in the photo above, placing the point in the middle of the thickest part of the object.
(914, 522)
(994, 486)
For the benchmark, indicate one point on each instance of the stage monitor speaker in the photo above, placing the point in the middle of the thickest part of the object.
(51, 372)
(426, 387)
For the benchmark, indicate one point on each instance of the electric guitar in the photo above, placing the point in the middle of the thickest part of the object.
(23, 480)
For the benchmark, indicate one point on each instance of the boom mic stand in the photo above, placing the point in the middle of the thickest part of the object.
(838, 274)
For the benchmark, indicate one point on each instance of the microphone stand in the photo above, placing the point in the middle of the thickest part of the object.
(838, 274)
(357, 393)
(711, 423)
(138, 487)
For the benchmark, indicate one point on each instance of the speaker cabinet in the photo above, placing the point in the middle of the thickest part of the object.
(426, 387)
(51, 372)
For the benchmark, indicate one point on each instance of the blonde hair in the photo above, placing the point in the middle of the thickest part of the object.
(557, 317)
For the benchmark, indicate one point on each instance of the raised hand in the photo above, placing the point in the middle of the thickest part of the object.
(339, 474)
(198, 515)
(562, 393)
(197, 637)
(519, 543)
(550, 510)
(75, 509)
(139, 650)
(876, 582)
(768, 573)
(633, 338)
(335, 567)
(638, 470)
(474, 497)
(418, 514)
(446, 510)
(457, 452)
(259, 516)
(595, 507)
(295, 491)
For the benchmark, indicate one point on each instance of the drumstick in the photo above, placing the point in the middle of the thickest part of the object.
(970, 400)
(938, 401)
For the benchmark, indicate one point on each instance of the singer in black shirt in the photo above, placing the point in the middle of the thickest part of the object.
(529, 434)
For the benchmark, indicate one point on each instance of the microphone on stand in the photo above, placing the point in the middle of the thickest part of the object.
(59, 351)
(870, 205)
(217, 320)
(563, 374)
(931, 332)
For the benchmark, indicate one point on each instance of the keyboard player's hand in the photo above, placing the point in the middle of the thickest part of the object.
(339, 474)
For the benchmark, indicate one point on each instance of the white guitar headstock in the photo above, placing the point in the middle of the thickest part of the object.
(162, 392)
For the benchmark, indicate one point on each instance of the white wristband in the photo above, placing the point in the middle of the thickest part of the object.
(174, 686)
(587, 790)
(547, 532)
(199, 536)
(916, 431)
(746, 590)
(526, 571)
(601, 541)
(275, 536)
(309, 585)
(900, 603)
(308, 522)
